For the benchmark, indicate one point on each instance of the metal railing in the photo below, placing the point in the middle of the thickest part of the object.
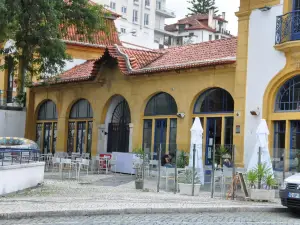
(165, 10)
(10, 156)
(288, 27)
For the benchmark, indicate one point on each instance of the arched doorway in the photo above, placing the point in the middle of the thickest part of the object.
(46, 127)
(160, 124)
(215, 108)
(286, 124)
(118, 128)
(80, 127)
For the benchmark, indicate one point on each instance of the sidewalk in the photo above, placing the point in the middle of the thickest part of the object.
(106, 194)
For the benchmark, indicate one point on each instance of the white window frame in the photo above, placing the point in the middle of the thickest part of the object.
(135, 14)
(113, 5)
(147, 3)
(124, 9)
(146, 19)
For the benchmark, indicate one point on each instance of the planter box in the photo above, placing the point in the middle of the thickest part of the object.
(186, 189)
(262, 195)
(139, 184)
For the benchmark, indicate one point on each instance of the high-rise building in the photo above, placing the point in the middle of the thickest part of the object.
(141, 23)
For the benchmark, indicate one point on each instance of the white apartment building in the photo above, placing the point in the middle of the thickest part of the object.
(142, 22)
(196, 29)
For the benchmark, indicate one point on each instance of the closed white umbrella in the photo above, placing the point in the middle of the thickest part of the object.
(196, 139)
(262, 134)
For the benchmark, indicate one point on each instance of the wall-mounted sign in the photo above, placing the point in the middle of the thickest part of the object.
(237, 129)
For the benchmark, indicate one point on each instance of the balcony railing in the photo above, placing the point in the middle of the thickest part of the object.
(288, 27)
(166, 12)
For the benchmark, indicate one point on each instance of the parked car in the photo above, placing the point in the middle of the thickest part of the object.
(290, 192)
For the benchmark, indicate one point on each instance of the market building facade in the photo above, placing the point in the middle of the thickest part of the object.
(131, 98)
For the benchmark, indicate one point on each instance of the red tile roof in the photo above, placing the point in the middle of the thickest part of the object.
(189, 56)
(100, 39)
(195, 22)
(133, 62)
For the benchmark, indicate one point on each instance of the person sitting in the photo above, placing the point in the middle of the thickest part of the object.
(166, 161)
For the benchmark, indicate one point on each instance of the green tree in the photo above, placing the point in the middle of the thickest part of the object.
(37, 28)
(201, 6)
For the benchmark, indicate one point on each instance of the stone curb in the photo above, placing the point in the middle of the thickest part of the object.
(210, 209)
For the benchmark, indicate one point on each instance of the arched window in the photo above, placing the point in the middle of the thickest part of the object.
(46, 127)
(288, 96)
(160, 115)
(161, 104)
(80, 127)
(214, 100)
(81, 109)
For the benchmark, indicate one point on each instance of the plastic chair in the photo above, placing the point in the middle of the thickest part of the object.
(83, 165)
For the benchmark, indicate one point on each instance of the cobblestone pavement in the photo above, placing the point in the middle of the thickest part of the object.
(108, 192)
(167, 219)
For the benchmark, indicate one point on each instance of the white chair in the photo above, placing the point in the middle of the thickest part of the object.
(113, 163)
(83, 165)
(152, 164)
(55, 163)
(67, 164)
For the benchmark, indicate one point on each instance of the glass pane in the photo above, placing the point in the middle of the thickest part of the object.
(288, 96)
(54, 138)
(161, 104)
(228, 139)
(89, 137)
(172, 138)
(214, 100)
(80, 138)
(47, 137)
(160, 135)
(213, 137)
(71, 134)
(81, 109)
(147, 136)
(47, 111)
(39, 129)
(279, 144)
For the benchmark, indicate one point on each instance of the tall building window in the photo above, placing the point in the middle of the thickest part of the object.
(124, 9)
(147, 3)
(112, 5)
(46, 127)
(146, 19)
(123, 30)
(217, 37)
(80, 127)
(135, 16)
(210, 37)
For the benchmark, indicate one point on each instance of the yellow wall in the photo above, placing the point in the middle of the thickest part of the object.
(184, 87)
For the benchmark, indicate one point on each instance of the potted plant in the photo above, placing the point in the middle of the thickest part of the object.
(138, 166)
(222, 153)
(261, 183)
(182, 160)
(185, 183)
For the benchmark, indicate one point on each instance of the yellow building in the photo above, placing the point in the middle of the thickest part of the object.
(132, 98)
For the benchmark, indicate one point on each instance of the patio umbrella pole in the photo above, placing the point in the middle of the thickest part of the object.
(175, 189)
(233, 171)
(193, 178)
(213, 173)
(259, 162)
(159, 165)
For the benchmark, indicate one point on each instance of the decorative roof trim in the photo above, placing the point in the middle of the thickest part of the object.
(183, 65)
(84, 44)
(126, 58)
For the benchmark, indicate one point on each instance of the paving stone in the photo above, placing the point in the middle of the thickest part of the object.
(246, 218)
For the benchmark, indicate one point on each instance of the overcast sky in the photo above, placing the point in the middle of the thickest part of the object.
(228, 6)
